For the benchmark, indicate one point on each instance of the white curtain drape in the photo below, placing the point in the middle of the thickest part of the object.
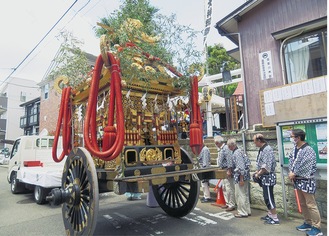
(298, 57)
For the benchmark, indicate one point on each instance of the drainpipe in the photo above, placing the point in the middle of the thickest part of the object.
(245, 106)
(245, 112)
(244, 140)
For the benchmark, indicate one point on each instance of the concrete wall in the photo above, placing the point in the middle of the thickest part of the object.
(255, 191)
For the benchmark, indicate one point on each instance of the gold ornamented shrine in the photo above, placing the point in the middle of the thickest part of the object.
(117, 135)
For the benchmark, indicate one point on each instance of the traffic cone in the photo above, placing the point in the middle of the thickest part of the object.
(220, 200)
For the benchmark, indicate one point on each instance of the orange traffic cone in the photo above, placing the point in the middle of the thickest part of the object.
(220, 200)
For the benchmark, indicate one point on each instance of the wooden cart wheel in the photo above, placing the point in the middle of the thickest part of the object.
(179, 198)
(81, 209)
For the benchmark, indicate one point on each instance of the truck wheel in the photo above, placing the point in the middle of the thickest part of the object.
(40, 194)
(15, 185)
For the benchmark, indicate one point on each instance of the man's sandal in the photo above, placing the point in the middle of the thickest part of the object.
(240, 216)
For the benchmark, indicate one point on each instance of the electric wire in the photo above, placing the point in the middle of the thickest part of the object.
(93, 7)
(23, 86)
(52, 63)
(14, 69)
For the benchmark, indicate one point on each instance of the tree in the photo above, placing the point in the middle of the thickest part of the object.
(135, 9)
(218, 60)
(175, 44)
(70, 61)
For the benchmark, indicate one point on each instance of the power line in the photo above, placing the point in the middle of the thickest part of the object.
(80, 10)
(14, 69)
(76, 13)
(93, 6)
(24, 86)
(52, 63)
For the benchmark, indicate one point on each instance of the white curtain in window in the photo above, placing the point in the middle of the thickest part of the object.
(298, 57)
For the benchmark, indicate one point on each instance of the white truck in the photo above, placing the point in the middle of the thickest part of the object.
(32, 167)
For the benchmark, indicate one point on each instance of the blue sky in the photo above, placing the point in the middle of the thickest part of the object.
(25, 23)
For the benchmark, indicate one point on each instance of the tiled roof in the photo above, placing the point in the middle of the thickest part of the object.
(239, 89)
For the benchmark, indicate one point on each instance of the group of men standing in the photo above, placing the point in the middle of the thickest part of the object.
(302, 167)
(235, 186)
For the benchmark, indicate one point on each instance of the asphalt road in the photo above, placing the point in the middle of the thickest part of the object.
(19, 215)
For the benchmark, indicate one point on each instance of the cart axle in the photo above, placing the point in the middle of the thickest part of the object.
(69, 195)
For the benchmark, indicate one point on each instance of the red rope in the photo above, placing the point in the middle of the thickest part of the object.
(153, 58)
(64, 122)
(113, 139)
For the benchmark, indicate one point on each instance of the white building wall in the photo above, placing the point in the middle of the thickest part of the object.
(16, 89)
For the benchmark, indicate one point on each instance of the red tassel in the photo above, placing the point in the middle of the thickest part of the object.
(109, 137)
(195, 137)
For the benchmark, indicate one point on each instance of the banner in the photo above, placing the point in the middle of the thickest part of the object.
(208, 22)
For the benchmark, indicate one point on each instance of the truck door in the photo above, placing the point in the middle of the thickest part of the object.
(15, 150)
(14, 158)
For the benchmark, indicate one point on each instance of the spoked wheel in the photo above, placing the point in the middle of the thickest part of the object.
(80, 181)
(179, 198)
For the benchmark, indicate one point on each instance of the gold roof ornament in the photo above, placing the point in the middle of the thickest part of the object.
(133, 28)
(198, 70)
(59, 83)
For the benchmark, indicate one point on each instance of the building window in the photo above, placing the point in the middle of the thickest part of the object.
(23, 121)
(305, 56)
(23, 97)
(35, 109)
(46, 91)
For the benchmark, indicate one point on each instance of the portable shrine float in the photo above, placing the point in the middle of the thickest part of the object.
(117, 137)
